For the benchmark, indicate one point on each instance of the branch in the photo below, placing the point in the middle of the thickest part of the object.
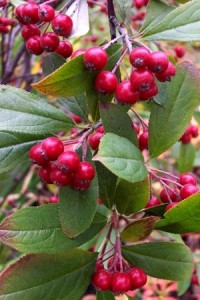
(111, 15)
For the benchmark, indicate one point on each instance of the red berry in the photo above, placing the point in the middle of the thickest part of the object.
(121, 282)
(29, 13)
(139, 57)
(158, 62)
(85, 171)
(167, 195)
(46, 13)
(18, 13)
(170, 205)
(44, 173)
(68, 161)
(143, 141)
(136, 127)
(180, 51)
(187, 178)
(29, 30)
(193, 130)
(59, 178)
(102, 280)
(153, 201)
(188, 190)
(52, 147)
(65, 49)
(62, 25)
(153, 91)
(195, 279)
(53, 199)
(138, 278)
(4, 29)
(185, 139)
(95, 58)
(78, 52)
(80, 185)
(49, 41)
(167, 74)
(138, 3)
(141, 80)
(125, 93)
(94, 140)
(100, 129)
(33, 45)
(3, 3)
(35, 154)
(106, 82)
(75, 118)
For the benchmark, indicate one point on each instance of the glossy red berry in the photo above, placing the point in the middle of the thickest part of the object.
(143, 141)
(170, 206)
(85, 171)
(46, 13)
(79, 185)
(138, 278)
(167, 195)
(3, 3)
(141, 80)
(121, 282)
(94, 140)
(138, 3)
(35, 154)
(29, 13)
(95, 58)
(52, 147)
(152, 92)
(193, 130)
(187, 178)
(59, 178)
(78, 52)
(62, 25)
(100, 129)
(139, 57)
(167, 74)
(44, 173)
(188, 190)
(49, 41)
(158, 62)
(68, 161)
(125, 93)
(106, 82)
(29, 30)
(185, 139)
(194, 279)
(33, 45)
(153, 201)
(53, 199)
(4, 29)
(102, 280)
(65, 49)
(180, 51)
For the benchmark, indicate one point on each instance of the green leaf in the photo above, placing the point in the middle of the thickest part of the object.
(183, 285)
(60, 276)
(168, 123)
(183, 218)
(38, 230)
(77, 105)
(158, 210)
(138, 229)
(77, 209)
(52, 62)
(121, 157)
(131, 197)
(186, 158)
(166, 260)
(182, 24)
(123, 9)
(105, 296)
(121, 122)
(107, 184)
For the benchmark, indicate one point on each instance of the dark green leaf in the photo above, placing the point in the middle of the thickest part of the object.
(183, 285)
(158, 210)
(62, 276)
(139, 229)
(166, 260)
(105, 296)
(168, 123)
(121, 157)
(123, 9)
(183, 218)
(77, 105)
(186, 158)
(131, 197)
(52, 62)
(38, 230)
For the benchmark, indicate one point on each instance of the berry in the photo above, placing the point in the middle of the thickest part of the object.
(106, 82)
(153, 91)
(60, 178)
(29, 13)
(68, 161)
(85, 171)
(53, 199)
(193, 130)
(49, 41)
(141, 80)
(153, 201)
(52, 147)
(158, 62)
(33, 45)
(100, 129)
(138, 278)
(94, 140)
(29, 30)
(4, 29)
(95, 58)
(80, 185)
(195, 279)
(3, 3)
(138, 3)
(180, 51)
(46, 13)
(170, 205)
(187, 179)
(139, 57)
(44, 173)
(78, 52)
(167, 195)
(136, 128)
(35, 154)
(65, 49)
(167, 74)
(102, 280)
(188, 190)
(121, 282)
(185, 139)
(143, 141)
(62, 25)
(125, 93)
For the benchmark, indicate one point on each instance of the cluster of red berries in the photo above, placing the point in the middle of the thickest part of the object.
(36, 43)
(5, 24)
(140, 3)
(102, 4)
(192, 131)
(117, 281)
(61, 167)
